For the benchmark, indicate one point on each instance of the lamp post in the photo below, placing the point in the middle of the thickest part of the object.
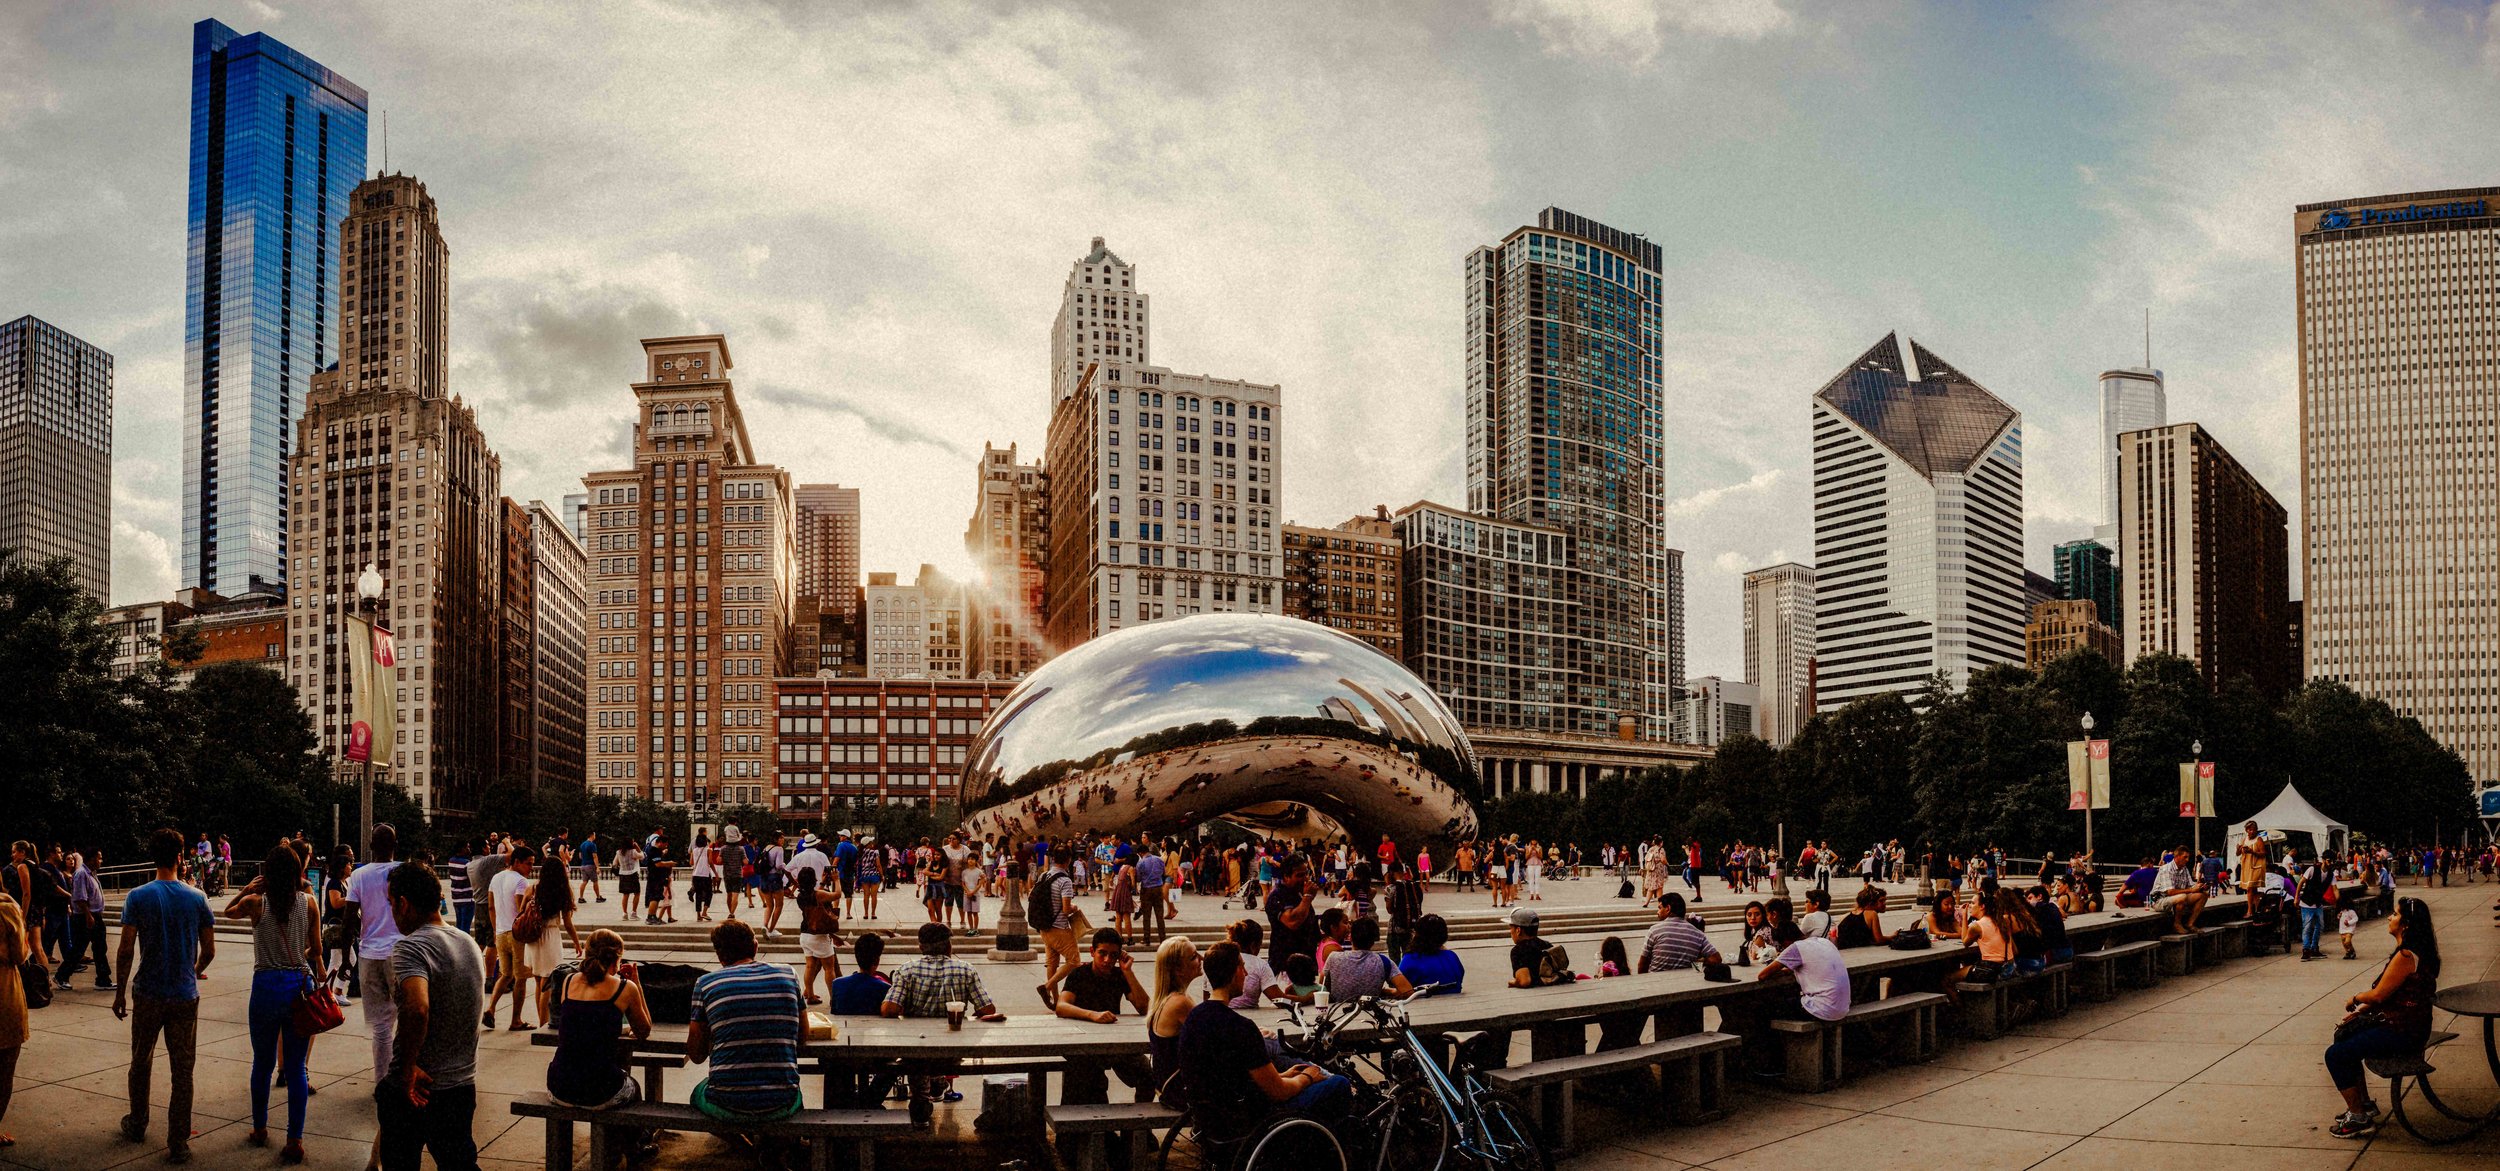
(2087, 795)
(369, 600)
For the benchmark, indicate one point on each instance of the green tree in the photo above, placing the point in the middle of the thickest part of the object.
(255, 773)
(1989, 771)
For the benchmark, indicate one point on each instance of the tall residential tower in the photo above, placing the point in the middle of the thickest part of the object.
(2400, 456)
(1008, 539)
(56, 450)
(1779, 647)
(1564, 420)
(2205, 558)
(1918, 526)
(277, 143)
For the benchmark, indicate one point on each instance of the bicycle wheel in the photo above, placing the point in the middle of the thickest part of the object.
(1416, 1136)
(1509, 1141)
(1292, 1143)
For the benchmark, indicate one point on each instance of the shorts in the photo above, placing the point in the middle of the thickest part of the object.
(870, 882)
(511, 955)
(770, 883)
(587, 872)
(821, 947)
(629, 882)
(2168, 901)
(953, 893)
(849, 881)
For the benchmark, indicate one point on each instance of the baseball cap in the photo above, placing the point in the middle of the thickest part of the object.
(1523, 917)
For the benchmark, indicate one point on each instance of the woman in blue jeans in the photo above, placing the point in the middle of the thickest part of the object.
(286, 963)
(2399, 1004)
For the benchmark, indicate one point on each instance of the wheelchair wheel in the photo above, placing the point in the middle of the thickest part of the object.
(1291, 1143)
(1515, 1145)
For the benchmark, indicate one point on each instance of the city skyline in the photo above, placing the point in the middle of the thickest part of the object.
(2186, 211)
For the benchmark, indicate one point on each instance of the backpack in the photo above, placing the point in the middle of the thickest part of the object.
(1041, 904)
(1553, 967)
(2313, 886)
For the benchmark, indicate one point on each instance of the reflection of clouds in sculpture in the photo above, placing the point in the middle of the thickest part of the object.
(1281, 724)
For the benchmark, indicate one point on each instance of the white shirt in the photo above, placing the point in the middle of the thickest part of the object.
(703, 863)
(814, 859)
(1815, 923)
(506, 892)
(1822, 977)
(369, 888)
(2174, 877)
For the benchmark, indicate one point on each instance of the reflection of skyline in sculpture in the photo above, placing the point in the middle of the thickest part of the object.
(1283, 726)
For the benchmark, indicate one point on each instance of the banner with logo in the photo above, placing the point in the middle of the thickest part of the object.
(373, 711)
(2100, 774)
(2078, 775)
(2205, 787)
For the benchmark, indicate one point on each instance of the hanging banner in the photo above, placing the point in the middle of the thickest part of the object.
(372, 655)
(2078, 775)
(2205, 786)
(2189, 805)
(2100, 774)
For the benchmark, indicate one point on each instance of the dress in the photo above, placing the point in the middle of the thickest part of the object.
(550, 948)
(1123, 899)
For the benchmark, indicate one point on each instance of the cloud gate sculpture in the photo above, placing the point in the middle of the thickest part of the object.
(1287, 728)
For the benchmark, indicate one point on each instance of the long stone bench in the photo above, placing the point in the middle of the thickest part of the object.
(1811, 1050)
(1988, 1009)
(2229, 940)
(1692, 1068)
(1088, 1129)
(827, 1132)
(2099, 974)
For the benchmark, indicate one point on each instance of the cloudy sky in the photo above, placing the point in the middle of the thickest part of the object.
(878, 202)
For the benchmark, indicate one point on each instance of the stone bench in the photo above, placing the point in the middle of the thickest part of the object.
(611, 1130)
(1811, 1049)
(2229, 940)
(1988, 1009)
(2101, 973)
(1692, 1068)
(2178, 954)
(1086, 1131)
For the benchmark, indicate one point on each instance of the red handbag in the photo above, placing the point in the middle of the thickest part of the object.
(316, 1011)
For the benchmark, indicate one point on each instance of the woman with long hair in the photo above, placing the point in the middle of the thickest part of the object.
(1177, 966)
(286, 962)
(820, 924)
(591, 1011)
(553, 892)
(773, 878)
(2391, 1019)
(871, 876)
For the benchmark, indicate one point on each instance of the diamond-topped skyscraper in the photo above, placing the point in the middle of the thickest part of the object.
(277, 143)
(1565, 402)
(1918, 526)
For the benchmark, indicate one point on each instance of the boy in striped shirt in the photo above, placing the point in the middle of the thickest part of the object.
(746, 1021)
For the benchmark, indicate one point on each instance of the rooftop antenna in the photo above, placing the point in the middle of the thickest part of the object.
(2148, 329)
(386, 142)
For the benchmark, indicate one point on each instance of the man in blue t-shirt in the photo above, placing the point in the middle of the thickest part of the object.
(168, 925)
(846, 869)
(860, 994)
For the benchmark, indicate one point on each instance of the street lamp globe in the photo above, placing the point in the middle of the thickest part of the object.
(2197, 747)
(369, 583)
(2087, 723)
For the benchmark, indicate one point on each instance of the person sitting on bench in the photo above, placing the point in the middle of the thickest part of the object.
(745, 1019)
(2178, 892)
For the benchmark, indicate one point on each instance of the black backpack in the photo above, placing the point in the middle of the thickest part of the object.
(1041, 904)
(2313, 887)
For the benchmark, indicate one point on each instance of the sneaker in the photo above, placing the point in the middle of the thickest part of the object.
(2354, 1124)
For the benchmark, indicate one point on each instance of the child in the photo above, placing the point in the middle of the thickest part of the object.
(2345, 921)
(1301, 979)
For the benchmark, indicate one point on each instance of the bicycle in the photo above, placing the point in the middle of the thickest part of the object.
(1417, 1114)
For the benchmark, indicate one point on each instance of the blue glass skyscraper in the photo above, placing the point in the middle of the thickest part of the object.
(277, 142)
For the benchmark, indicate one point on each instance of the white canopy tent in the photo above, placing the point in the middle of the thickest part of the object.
(2292, 813)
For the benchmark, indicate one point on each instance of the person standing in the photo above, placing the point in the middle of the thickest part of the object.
(427, 1099)
(586, 861)
(14, 950)
(1057, 928)
(377, 932)
(846, 869)
(706, 873)
(629, 876)
(86, 926)
(463, 896)
(504, 899)
(2312, 898)
(286, 964)
(172, 920)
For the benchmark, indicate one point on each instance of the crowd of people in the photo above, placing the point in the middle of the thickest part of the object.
(432, 949)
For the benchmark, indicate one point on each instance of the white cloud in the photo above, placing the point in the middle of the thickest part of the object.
(143, 564)
(1635, 31)
(1709, 498)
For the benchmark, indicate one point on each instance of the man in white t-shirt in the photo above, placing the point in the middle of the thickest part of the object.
(811, 856)
(368, 886)
(504, 894)
(1822, 977)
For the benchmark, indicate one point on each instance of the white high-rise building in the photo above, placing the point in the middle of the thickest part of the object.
(1163, 486)
(2131, 400)
(2400, 457)
(1918, 526)
(1708, 710)
(1779, 647)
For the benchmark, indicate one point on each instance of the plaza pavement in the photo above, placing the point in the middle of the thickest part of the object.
(2216, 1070)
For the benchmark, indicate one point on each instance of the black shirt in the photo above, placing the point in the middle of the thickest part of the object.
(1094, 991)
(1525, 954)
(1853, 932)
(2052, 925)
(1283, 940)
(1219, 1049)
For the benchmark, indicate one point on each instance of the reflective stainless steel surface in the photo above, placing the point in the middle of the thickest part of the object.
(1286, 727)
